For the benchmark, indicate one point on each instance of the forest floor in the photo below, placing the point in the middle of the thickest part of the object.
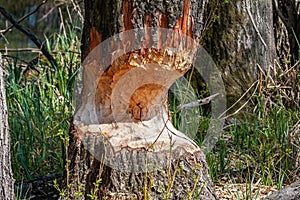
(242, 191)
(223, 191)
(42, 188)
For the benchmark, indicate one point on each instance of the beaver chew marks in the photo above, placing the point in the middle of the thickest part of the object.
(135, 85)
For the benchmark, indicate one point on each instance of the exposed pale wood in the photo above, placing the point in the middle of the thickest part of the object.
(181, 173)
(121, 132)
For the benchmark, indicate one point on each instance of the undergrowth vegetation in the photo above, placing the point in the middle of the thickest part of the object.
(40, 107)
(261, 146)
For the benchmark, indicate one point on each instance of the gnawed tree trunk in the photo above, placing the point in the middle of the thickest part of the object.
(6, 176)
(123, 145)
(241, 41)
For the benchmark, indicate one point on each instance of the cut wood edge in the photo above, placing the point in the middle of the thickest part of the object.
(151, 137)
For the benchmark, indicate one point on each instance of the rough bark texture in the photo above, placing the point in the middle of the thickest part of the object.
(240, 40)
(6, 176)
(143, 155)
(183, 175)
(291, 192)
(288, 13)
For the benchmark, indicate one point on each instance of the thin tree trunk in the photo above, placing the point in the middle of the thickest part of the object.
(6, 176)
(122, 136)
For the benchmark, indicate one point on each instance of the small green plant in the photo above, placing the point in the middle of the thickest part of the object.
(94, 194)
(57, 187)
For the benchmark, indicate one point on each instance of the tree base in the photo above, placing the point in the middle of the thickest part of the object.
(135, 173)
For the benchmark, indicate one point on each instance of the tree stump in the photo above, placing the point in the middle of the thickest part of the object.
(123, 144)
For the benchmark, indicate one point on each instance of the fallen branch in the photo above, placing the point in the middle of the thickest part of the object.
(35, 50)
(30, 35)
(198, 102)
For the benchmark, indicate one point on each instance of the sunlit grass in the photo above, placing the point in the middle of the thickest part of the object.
(40, 108)
(262, 146)
(257, 147)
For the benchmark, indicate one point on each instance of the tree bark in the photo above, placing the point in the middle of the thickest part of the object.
(123, 145)
(241, 41)
(6, 176)
(290, 192)
(288, 13)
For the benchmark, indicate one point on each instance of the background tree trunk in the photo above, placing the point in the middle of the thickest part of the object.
(241, 41)
(6, 176)
(287, 26)
(170, 165)
(290, 192)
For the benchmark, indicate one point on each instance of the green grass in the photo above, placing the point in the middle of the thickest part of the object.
(40, 108)
(260, 146)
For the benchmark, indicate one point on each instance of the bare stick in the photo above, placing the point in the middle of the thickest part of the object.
(22, 19)
(30, 35)
(198, 102)
(255, 27)
(36, 50)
